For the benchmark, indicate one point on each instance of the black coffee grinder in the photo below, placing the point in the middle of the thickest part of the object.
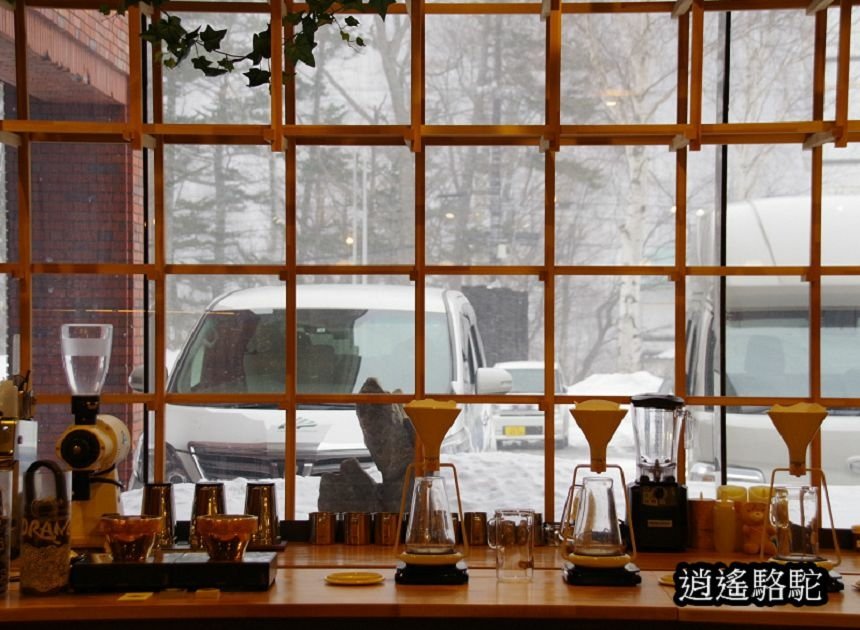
(658, 503)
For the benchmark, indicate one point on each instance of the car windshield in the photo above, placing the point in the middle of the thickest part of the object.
(767, 353)
(242, 351)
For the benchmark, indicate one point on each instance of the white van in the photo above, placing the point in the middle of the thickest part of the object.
(767, 340)
(346, 334)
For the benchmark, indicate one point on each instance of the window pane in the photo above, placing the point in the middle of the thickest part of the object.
(771, 66)
(703, 217)
(8, 203)
(225, 204)
(8, 91)
(78, 69)
(599, 88)
(191, 97)
(355, 205)
(87, 190)
(840, 208)
(609, 344)
(768, 214)
(614, 206)
(481, 69)
(485, 205)
(369, 85)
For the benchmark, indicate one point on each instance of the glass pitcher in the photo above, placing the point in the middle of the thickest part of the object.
(596, 531)
(431, 528)
(794, 514)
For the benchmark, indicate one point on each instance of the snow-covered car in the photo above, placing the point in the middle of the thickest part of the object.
(523, 423)
(346, 334)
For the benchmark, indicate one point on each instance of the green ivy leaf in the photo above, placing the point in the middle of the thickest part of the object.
(212, 39)
(351, 21)
(257, 76)
(359, 41)
(380, 7)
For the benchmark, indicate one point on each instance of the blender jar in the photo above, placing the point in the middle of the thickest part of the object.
(656, 429)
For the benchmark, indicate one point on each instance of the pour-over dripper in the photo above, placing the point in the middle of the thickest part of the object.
(430, 557)
(797, 424)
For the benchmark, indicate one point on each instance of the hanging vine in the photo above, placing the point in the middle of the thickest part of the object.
(202, 46)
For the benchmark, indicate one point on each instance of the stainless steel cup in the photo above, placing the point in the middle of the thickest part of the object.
(208, 499)
(385, 528)
(356, 528)
(323, 526)
(475, 528)
(158, 501)
(261, 501)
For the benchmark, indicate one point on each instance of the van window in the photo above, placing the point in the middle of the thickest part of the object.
(337, 350)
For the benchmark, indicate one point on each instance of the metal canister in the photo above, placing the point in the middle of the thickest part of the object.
(44, 534)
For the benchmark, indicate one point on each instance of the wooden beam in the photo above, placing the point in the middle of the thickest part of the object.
(679, 142)
(818, 139)
(843, 66)
(818, 5)
(10, 139)
(681, 7)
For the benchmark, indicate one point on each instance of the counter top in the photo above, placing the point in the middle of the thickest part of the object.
(300, 592)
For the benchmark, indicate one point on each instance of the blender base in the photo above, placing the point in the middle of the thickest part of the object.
(427, 574)
(628, 575)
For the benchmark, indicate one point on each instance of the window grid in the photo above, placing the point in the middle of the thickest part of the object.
(687, 133)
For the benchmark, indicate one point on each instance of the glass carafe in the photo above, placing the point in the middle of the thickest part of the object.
(794, 514)
(656, 428)
(431, 528)
(596, 531)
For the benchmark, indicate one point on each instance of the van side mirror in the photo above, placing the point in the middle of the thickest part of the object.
(493, 380)
(135, 379)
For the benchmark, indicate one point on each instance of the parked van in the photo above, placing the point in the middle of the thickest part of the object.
(346, 334)
(767, 339)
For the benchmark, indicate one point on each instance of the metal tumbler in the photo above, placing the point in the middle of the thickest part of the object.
(261, 501)
(208, 499)
(158, 501)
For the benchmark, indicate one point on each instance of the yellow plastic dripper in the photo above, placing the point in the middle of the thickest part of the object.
(797, 424)
(598, 420)
(431, 419)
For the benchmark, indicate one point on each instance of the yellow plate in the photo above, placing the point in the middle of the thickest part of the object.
(515, 431)
(430, 558)
(354, 578)
(667, 580)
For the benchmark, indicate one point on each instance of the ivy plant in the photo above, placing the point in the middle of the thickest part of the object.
(202, 46)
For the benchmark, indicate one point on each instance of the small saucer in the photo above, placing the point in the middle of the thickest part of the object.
(667, 580)
(599, 562)
(430, 559)
(354, 578)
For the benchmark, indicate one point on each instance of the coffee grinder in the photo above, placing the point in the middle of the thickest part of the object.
(430, 556)
(795, 511)
(18, 444)
(658, 502)
(96, 442)
(593, 549)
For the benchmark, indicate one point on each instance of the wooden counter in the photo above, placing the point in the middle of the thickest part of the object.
(301, 595)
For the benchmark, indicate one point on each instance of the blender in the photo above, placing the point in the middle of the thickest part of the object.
(593, 549)
(430, 556)
(658, 502)
(794, 510)
(96, 442)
